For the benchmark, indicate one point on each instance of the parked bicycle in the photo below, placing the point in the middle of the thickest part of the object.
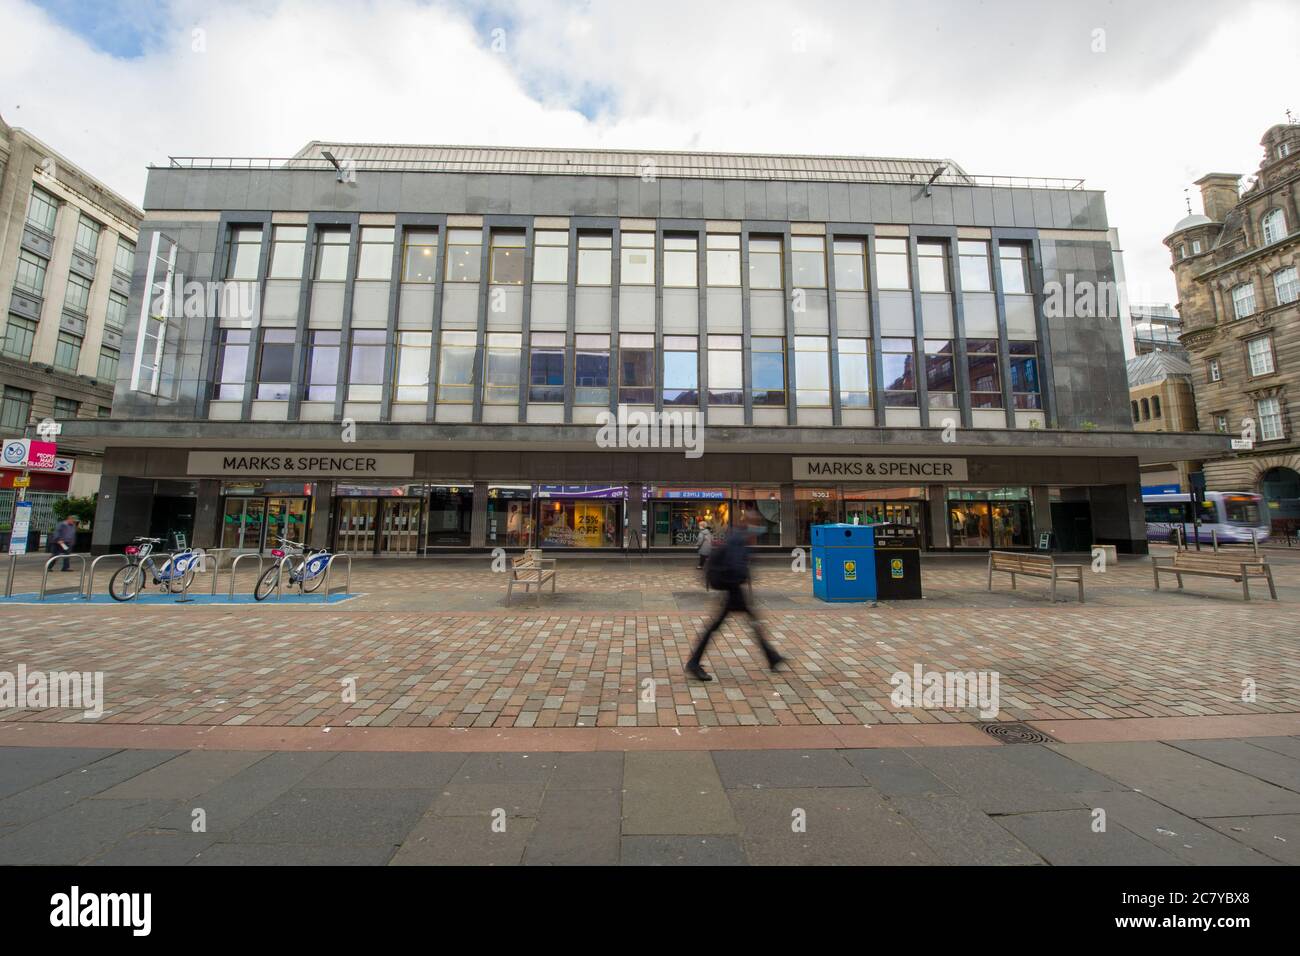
(175, 574)
(306, 569)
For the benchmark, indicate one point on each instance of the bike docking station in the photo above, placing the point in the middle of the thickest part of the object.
(314, 576)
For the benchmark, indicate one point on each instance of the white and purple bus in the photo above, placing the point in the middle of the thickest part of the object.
(1228, 516)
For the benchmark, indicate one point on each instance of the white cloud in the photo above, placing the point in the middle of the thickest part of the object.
(1004, 88)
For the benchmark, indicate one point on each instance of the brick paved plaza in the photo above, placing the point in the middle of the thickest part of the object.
(465, 707)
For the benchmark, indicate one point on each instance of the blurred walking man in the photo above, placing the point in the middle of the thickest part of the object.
(728, 571)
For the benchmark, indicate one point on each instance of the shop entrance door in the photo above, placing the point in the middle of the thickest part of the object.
(242, 522)
(287, 517)
(356, 529)
(401, 526)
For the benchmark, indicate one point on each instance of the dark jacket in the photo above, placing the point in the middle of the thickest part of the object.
(63, 532)
(729, 565)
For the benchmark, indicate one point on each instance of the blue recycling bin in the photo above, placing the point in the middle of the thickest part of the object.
(844, 562)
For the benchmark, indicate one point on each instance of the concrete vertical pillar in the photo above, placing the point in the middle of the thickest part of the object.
(322, 514)
(207, 514)
(635, 499)
(101, 539)
(937, 504)
(789, 518)
(478, 518)
(1042, 505)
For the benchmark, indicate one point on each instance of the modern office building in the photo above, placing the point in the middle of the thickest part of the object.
(1239, 290)
(413, 349)
(67, 245)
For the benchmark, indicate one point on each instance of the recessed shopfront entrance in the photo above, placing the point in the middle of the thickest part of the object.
(252, 520)
(388, 523)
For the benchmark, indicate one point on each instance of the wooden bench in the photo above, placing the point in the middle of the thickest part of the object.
(1034, 566)
(1236, 567)
(531, 571)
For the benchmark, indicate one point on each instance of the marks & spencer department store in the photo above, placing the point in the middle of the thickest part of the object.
(413, 350)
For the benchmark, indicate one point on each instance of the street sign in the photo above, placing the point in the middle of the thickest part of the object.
(21, 527)
(22, 453)
(23, 481)
(1242, 444)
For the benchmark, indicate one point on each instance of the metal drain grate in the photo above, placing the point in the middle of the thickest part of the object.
(1014, 732)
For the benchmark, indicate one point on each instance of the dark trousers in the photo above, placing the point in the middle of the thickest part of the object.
(735, 601)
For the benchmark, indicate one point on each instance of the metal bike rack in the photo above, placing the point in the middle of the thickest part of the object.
(279, 577)
(9, 574)
(329, 567)
(81, 584)
(90, 578)
(234, 566)
(195, 558)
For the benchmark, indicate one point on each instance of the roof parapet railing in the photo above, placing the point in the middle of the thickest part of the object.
(812, 172)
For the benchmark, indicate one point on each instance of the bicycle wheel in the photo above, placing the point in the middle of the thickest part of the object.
(181, 582)
(126, 582)
(309, 585)
(267, 584)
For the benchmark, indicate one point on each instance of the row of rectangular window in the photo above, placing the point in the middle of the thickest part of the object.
(20, 334)
(42, 213)
(16, 408)
(1286, 289)
(1268, 414)
(634, 379)
(637, 255)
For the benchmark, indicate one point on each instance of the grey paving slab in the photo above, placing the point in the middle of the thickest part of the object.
(674, 793)
(1066, 838)
(1282, 745)
(1051, 770)
(78, 783)
(1187, 839)
(587, 771)
(24, 767)
(787, 769)
(713, 850)
(991, 781)
(338, 817)
(506, 768)
(962, 834)
(1192, 785)
(181, 778)
(252, 854)
(484, 799)
(669, 770)
(576, 828)
(1277, 837)
(894, 772)
(463, 841)
(79, 832)
(400, 771)
(843, 827)
(1260, 762)
(233, 801)
(155, 848)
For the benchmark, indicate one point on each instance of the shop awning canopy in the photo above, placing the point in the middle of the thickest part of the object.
(1146, 447)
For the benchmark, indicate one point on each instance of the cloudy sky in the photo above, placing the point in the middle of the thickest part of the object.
(1137, 98)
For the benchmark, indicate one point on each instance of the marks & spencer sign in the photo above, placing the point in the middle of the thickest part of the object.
(870, 468)
(357, 464)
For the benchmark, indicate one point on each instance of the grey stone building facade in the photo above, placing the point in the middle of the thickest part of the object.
(394, 349)
(67, 244)
(1238, 272)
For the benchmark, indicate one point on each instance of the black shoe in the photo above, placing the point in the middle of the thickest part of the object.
(698, 672)
(775, 661)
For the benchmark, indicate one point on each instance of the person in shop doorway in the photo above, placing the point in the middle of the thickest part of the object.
(63, 539)
(727, 570)
(704, 544)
